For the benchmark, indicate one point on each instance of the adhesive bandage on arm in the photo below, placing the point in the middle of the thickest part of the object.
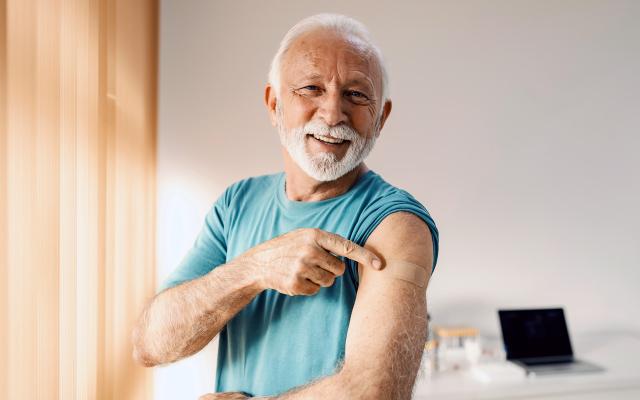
(408, 271)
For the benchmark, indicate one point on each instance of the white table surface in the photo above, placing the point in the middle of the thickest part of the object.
(618, 353)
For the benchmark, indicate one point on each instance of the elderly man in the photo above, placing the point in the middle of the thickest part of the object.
(315, 278)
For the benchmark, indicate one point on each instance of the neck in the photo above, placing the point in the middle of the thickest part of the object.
(301, 187)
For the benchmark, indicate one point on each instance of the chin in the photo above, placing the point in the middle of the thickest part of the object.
(327, 175)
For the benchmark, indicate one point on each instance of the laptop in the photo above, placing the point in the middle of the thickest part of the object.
(538, 340)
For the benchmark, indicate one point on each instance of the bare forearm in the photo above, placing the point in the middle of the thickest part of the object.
(345, 384)
(329, 387)
(182, 320)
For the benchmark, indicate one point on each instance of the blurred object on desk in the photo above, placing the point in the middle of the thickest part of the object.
(458, 347)
(429, 363)
(497, 371)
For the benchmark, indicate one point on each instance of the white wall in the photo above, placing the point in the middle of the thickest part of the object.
(517, 124)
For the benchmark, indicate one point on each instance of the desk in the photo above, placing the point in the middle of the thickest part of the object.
(618, 353)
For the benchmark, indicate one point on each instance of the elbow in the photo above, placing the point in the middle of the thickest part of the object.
(141, 353)
(143, 358)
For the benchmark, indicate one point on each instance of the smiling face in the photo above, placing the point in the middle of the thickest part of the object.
(329, 109)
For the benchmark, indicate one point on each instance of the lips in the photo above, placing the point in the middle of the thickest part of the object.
(329, 140)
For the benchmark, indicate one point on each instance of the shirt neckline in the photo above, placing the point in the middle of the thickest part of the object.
(306, 206)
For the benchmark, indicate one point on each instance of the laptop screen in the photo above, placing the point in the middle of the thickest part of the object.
(532, 334)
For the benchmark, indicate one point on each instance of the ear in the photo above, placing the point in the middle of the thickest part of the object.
(270, 101)
(386, 110)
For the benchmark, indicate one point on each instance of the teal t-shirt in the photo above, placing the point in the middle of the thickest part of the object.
(278, 342)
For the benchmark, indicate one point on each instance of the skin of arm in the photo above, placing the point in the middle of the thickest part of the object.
(181, 320)
(388, 326)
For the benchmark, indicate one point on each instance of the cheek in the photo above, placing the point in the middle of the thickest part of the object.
(364, 121)
(298, 112)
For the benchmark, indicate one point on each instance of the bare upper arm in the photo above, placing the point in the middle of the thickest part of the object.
(401, 235)
(388, 325)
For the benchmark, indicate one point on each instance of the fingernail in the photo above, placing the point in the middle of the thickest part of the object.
(377, 264)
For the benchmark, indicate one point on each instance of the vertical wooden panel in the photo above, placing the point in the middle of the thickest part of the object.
(47, 195)
(87, 129)
(93, 202)
(134, 90)
(101, 27)
(68, 189)
(111, 359)
(110, 208)
(21, 127)
(4, 265)
(77, 201)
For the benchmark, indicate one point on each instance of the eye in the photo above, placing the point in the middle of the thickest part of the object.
(309, 91)
(357, 96)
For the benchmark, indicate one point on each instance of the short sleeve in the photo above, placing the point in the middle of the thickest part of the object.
(209, 249)
(381, 208)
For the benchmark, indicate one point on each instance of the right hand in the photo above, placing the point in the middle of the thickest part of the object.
(300, 262)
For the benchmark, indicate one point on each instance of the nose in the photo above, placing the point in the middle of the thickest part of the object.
(332, 108)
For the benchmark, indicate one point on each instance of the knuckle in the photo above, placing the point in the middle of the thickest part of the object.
(307, 251)
(326, 279)
(298, 232)
(348, 247)
(292, 282)
(298, 267)
(314, 233)
(296, 286)
(312, 289)
(330, 281)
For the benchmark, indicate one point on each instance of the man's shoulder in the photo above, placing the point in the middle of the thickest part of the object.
(383, 188)
(255, 181)
(403, 235)
(400, 211)
(383, 194)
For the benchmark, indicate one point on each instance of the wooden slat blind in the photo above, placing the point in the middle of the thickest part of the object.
(77, 195)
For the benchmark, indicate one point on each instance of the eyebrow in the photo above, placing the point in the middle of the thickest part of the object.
(362, 81)
(310, 77)
(368, 82)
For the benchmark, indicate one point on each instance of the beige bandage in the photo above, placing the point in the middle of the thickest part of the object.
(408, 271)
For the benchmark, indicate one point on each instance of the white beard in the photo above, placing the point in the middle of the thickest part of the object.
(324, 166)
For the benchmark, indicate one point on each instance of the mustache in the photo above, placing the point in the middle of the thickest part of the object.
(341, 131)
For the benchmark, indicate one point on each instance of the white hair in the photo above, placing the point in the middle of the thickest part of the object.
(345, 26)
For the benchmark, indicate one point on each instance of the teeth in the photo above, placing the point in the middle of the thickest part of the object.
(328, 139)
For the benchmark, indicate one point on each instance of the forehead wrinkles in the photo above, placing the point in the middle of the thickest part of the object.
(312, 54)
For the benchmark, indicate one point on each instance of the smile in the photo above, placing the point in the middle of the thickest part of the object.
(329, 139)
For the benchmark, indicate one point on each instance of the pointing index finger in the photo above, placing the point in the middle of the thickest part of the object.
(345, 247)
